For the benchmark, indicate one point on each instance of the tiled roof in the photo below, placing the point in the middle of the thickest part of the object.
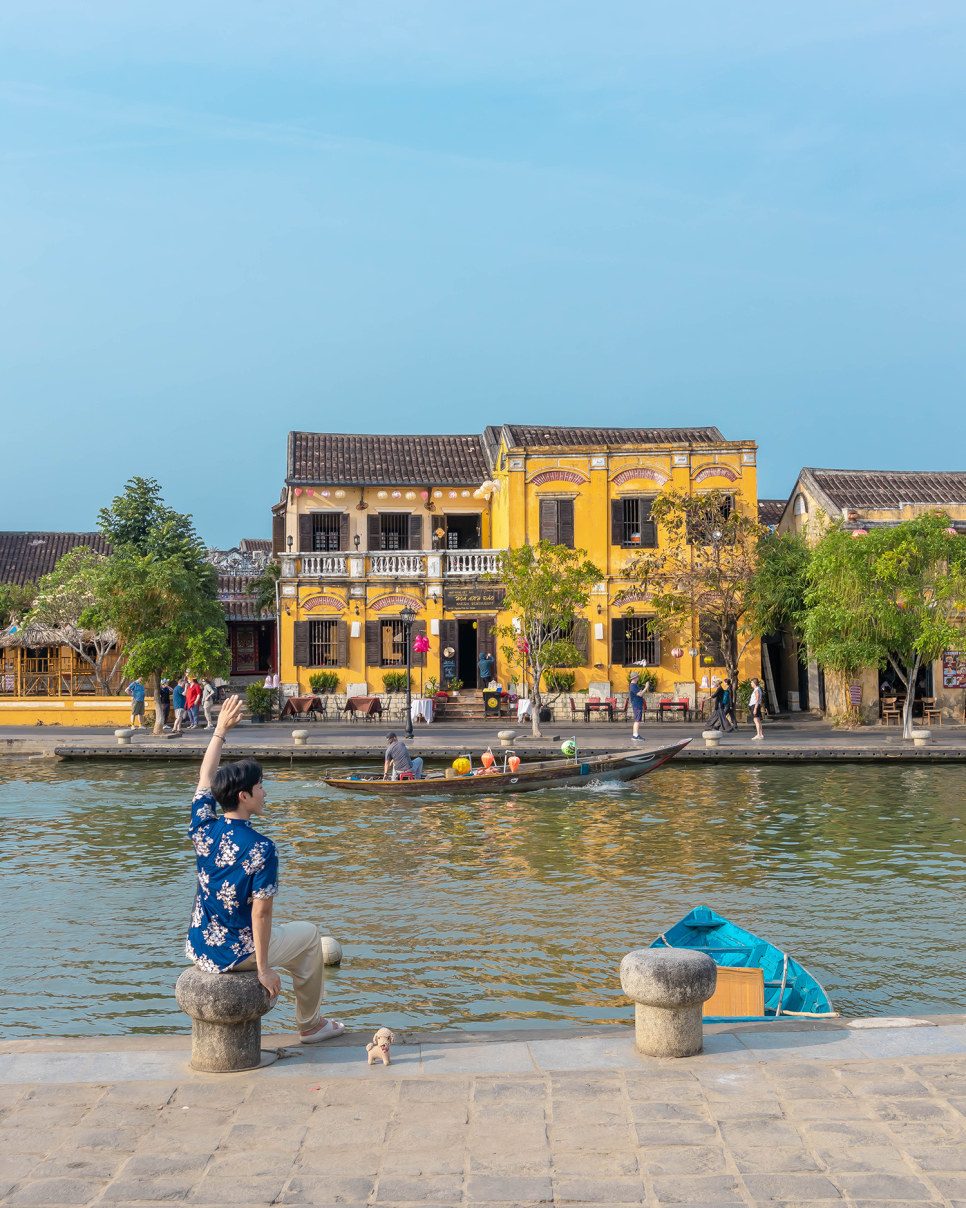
(770, 510)
(235, 600)
(335, 457)
(890, 488)
(524, 436)
(250, 544)
(24, 557)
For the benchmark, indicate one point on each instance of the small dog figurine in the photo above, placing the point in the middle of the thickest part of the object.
(380, 1046)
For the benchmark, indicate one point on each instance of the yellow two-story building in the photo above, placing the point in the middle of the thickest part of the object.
(369, 525)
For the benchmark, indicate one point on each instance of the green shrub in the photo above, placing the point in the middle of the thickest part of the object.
(324, 681)
(394, 681)
(259, 700)
(744, 694)
(560, 681)
(647, 680)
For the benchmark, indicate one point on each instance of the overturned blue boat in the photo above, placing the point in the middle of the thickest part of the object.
(756, 980)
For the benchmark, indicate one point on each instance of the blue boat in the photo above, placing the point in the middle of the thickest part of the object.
(789, 988)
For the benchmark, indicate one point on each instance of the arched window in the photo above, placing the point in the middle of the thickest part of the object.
(801, 507)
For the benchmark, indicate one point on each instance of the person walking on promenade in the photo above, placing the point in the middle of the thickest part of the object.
(398, 758)
(192, 698)
(135, 691)
(208, 695)
(231, 923)
(754, 706)
(636, 695)
(718, 719)
(728, 704)
(177, 699)
(165, 703)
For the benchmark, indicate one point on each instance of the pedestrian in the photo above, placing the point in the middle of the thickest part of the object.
(135, 691)
(398, 757)
(635, 694)
(754, 706)
(728, 704)
(177, 699)
(165, 694)
(231, 923)
(718, 719)
(192, 698)
(486, 664)
(208, 703)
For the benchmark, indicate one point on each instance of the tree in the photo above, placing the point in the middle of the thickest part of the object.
(704, 573)
(62, 598)
(158, 591)
(893, 596)
(265, 587)
(545, 585)
(15, 602)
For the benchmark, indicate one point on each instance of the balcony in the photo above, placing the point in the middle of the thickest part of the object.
(323, 566)
(395, 566)
(471, 562)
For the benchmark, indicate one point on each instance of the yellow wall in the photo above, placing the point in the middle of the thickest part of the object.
(66, 711)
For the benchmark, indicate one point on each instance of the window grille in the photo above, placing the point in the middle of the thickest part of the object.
(639, 641)
(638, 527)
(393, 644)
(323, 650)
(325, 531)
(394, 530)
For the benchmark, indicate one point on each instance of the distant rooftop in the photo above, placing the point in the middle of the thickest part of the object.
(522, 436)
(25, 557)
(358, 460)
(770, 510)
(889, 488)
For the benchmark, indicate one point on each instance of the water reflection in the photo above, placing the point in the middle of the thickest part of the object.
(489, 912)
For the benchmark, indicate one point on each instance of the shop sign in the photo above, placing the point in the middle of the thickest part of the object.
(954, 669)
(473, 598)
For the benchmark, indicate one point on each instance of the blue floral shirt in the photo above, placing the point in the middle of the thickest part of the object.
(236, 865)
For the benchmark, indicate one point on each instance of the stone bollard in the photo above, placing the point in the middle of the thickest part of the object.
(300, 737)
(226, 1012)
(668, 986)
(331, 950)
(921, 738)
(711, 738)
(506, 737)
(123, 737)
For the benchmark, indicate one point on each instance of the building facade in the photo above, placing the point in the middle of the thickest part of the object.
(252, 632)
(368, 525)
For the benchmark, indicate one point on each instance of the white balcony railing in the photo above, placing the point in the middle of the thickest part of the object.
(472, 562)
(322, 565)
(397, 564)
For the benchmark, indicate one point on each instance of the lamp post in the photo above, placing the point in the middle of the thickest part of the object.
(407, 615)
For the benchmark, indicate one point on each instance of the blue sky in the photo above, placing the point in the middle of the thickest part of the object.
(220, 221)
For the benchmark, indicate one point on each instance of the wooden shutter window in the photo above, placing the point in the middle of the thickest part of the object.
(648, 527)
(418, 657)
(617, 641)
(581, 639)
(278, 534)
(415, 532)
(305, 534)
(374, 535)
(342, 644)
(565, 523)
(617, 522)
(373, 653)
(548, 520)
(344, 531)
(448, 638)
(300, 644)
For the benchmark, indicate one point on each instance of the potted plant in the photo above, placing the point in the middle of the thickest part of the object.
(431, 686)
(394, 681)
(324, 682)
(260, 701)
(454, 687)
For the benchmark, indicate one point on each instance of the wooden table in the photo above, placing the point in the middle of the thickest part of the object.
(301, 706)
(368, 706)
(673, 706)
(596, 706)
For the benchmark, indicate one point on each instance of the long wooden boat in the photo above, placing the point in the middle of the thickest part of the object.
(752, 973)
(553, 773)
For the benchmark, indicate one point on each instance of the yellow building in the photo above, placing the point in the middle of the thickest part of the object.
(865, 499)
(368, 525)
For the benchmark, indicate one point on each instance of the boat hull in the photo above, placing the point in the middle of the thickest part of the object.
(790, 990)
(557, 773)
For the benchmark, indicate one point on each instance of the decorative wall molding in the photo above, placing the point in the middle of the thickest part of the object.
(323, 601)
(543, 476)
(385, 602)
(236, 562)
(648, 473)
(718, 471)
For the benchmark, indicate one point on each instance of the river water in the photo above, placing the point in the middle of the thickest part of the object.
(499, 912)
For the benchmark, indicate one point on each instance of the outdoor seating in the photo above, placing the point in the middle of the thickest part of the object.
(595, 704)
(611, 703)
(670, 706)
(303, 706)
(370, 707)
(573, 709)
(620, 714)
(929, 711)
(890, 710)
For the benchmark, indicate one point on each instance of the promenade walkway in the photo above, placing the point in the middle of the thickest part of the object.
(787, 1114)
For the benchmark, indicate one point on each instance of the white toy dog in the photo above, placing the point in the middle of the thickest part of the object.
(380, 1046)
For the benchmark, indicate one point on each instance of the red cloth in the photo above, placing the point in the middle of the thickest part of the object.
(192, 694)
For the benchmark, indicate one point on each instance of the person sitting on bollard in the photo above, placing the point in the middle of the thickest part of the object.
(231, 924)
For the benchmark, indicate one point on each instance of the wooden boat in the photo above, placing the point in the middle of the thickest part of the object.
(756, 980)
(553, 773)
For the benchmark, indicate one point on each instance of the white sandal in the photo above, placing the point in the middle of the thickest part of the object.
(333, 1028)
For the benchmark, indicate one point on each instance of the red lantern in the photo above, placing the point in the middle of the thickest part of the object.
(421, 644)
(950, 532)
(860, 532)
(298, 490)
(425, 494)
(677, 652)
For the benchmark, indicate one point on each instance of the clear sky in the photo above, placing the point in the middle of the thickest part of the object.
(222, 220)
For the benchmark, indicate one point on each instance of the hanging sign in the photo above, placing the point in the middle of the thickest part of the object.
(473, 597)
(954, 669)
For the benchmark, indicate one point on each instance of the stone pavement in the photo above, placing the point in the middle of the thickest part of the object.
(786, 1116)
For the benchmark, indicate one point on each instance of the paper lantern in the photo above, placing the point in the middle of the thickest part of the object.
(486, 759)
(425, 494)
(309, 491)
(677, 652)
(860, 532)
(421, 644)
(513, 762)
(708, 660)
(569, 749)
(298, 490)
(694, 652)
(461, 765)
(950, 532)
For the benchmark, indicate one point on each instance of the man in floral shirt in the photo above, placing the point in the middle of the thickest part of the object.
(231, 924)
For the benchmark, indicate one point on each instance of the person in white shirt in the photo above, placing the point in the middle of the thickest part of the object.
(755, 707)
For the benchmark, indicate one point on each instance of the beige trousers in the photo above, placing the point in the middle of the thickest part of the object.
(297, 948)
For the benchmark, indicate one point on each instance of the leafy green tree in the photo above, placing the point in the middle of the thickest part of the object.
(545, 586)
(15, 602)
(62, 598)
(264, 588)
(894, 596)
(158, 591)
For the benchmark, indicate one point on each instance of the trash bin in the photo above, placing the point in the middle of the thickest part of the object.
(491, 703)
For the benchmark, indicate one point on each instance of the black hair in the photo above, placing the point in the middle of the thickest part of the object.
(235, 778)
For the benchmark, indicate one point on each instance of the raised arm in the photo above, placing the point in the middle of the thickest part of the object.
(229, 716)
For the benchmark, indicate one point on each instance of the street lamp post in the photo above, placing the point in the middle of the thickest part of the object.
(407, 616)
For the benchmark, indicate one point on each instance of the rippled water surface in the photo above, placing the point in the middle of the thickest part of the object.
(489, 913)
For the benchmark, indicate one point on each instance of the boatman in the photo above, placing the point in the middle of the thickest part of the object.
(398, 758)
(231, 924)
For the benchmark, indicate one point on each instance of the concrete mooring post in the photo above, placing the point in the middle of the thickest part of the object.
(668, 986)
(226, 1012)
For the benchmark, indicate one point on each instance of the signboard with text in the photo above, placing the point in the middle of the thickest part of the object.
(473, 598)
(954, 669)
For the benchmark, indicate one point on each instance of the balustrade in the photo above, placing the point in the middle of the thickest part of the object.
(322, 565)
(397, 564)
(472, 562)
